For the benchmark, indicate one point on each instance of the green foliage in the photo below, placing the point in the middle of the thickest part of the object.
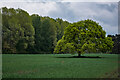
(61, 27)
(18, 31)
(87, 36)
(69, 48)
(116, 45)
(23, 33)
(36, 22)
(34, 34)
(60, 46)
(89, 47)
(48, 35)
(63, 47)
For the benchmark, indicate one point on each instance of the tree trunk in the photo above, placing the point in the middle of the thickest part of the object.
(79, 55)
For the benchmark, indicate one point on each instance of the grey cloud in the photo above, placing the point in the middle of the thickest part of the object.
(110, 16)
(104, 13)
(63, 11)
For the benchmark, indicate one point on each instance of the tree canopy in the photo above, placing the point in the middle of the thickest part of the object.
(24, 33)
(18, 32)
(84, 36)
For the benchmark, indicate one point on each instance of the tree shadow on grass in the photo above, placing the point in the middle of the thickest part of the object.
(81, 57)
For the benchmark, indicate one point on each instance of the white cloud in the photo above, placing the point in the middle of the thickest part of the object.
(32, 8)
(95, 11)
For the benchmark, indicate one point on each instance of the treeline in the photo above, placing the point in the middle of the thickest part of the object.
(24, 33)
(116, 39)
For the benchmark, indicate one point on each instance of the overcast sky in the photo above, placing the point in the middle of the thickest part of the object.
(105, 13)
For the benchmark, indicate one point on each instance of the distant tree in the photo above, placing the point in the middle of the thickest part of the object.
(17, 25)
(61, 27)
(10, 30)
(48, 35)
(85, 35)
(116, 40)
(36, 22)
(23, 33)
(27, 31)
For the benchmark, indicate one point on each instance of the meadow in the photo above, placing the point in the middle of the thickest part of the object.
(59, 66)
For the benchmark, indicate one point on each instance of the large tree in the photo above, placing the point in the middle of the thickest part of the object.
(84, 36)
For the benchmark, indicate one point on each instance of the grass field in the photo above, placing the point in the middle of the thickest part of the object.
(59, 66)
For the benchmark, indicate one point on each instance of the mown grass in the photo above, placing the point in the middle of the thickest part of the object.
(59, 66)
